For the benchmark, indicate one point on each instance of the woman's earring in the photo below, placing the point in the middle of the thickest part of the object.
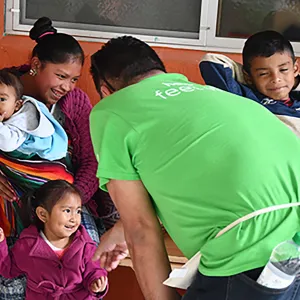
(32, 72)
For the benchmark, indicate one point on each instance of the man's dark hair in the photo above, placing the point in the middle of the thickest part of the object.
(122, 59)
(265, 44)
(9, 79)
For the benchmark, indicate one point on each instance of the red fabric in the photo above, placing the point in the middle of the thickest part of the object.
(76, 107)
(60, 253)
(288, 102)
(49, 277)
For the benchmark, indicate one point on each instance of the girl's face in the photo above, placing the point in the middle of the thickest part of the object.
(53, 81)
(64, 218)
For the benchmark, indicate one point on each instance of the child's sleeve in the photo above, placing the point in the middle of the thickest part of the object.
(92, 271)
(222, 72)
(8, 266)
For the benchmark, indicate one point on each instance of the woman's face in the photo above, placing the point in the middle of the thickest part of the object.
(53, 81)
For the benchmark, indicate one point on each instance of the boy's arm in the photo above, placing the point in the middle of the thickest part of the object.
(11, 137)
(8, 267)
(222, 72)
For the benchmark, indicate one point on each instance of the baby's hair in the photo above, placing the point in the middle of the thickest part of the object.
(45, 196)
(9, 79)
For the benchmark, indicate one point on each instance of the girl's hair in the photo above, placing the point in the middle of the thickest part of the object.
(53, 47)
(45, 196)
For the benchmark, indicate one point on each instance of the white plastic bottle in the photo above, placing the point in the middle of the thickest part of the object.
(283, 266)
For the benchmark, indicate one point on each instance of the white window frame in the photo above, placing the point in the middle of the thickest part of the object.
(207, 39)
(13, 27)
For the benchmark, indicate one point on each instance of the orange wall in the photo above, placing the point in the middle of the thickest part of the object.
(15, 50)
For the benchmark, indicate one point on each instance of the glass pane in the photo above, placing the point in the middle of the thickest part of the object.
(241, 18)
(166, 18)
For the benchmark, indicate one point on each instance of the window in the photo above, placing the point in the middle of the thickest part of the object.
(168, 21)
(208, 24)
(241, 18)
(173, 18)
(232, 21)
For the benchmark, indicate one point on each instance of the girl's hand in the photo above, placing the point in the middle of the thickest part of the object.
(99, 285)
(2, 236)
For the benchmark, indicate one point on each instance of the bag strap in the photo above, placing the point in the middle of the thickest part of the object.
(256, 213)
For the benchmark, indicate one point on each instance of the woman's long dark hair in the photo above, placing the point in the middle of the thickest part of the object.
(54, 47)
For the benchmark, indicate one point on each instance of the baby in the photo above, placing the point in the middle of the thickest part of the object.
(26, 126)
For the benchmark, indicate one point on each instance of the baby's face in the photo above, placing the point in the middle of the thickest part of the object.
(8, 102)
(274, 76)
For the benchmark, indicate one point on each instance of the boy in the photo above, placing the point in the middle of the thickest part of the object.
(26, 126)
(269, 75)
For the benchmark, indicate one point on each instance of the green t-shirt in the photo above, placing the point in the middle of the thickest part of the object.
(207, 158)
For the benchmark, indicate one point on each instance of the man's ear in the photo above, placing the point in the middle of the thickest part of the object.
(247, 78)
(42, 214)
(19, 104)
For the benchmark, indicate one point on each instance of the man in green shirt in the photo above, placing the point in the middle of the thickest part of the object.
(198, 158)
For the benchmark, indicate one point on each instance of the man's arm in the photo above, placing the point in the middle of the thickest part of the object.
(144, 238)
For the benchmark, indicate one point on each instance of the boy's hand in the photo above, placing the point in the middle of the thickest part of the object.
(2, 236)
(2, 116)
(99, 285)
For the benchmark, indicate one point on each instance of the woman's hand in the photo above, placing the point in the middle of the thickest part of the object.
(6, 190)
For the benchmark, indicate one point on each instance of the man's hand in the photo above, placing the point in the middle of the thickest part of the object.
(112, 248)
(99, 285)
(2, 236)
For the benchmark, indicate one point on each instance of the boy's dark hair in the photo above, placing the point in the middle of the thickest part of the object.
(123, 59)
(53, 47)
(9, 79)
(265, 44)
(45, 196)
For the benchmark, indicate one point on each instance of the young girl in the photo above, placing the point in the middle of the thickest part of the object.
(55, 252)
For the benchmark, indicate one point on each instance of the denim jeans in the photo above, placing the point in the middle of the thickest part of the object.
(238, 287)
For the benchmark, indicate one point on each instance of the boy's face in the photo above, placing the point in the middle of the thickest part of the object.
(273, 76)
(8, 102)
